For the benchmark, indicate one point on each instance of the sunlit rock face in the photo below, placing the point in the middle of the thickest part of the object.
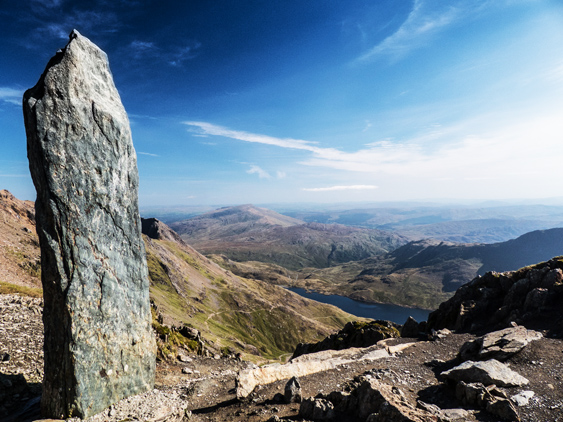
(99, 347)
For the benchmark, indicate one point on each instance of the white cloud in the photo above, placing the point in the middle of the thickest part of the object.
(493, 146)
(422, 23)
(181, 54)
(281, 174)
(211, 129)
(142, 48)
(57, 30)
(340, 188)
(148, 153)
(174, 56)
(11, 95)
(262, 174)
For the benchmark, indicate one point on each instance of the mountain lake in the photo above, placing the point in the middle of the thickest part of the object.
(394, 313)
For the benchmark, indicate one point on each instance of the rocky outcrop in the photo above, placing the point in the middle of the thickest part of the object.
(317, 409)
(489, 398)
(369, 400)
(156, 229)
(312, 363)
(412, 328)
(354, 334)
(499, 345)
(99, 346)
(487, 372)
(531, 295)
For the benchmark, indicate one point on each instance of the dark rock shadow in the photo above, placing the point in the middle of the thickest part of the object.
(19, 400)
(438, 366)
(214, 408)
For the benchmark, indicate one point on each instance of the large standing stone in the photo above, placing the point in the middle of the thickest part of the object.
(99, 345)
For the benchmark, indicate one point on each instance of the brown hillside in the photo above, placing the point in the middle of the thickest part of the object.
(19, 245)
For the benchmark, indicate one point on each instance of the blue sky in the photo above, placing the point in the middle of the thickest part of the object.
(257, 101)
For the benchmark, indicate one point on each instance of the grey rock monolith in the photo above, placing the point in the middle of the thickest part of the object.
(99, 346)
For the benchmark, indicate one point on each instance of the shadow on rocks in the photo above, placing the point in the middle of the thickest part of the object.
(19, 400)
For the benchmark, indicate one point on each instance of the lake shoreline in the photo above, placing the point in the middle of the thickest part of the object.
(383, 311)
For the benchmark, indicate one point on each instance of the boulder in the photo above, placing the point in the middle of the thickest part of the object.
(504, 409)
(410, 328)
(537, 299)
(379, 402)
(499, 345)
(292, 392)
(489, 398)
(99, 344)
(486, 372)
(522, 398)
(316, 409)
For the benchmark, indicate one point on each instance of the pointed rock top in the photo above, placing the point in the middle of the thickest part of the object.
(81, 71)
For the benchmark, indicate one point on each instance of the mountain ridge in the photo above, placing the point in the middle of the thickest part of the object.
(257, 234)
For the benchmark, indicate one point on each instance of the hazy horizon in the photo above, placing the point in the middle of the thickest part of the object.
(313, 102)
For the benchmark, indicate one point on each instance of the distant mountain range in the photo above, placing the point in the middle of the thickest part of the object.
(248, 233)
(486, 224)
(364, 264)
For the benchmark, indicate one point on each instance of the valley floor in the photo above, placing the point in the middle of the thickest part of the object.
(205, 387)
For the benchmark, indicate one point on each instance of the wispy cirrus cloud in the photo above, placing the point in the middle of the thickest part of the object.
(50, 4)
(425, 20)
(262, 174)
(51, 24)
(140, 49)
(11, 95)
(206, 128)
(178, 56)
(173, 55)
(148, 154)
(501, 149)
(341, 188)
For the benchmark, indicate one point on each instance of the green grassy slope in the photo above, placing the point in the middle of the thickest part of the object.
(258, 319)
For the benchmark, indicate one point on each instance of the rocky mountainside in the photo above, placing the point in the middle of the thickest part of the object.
(435, 376)
(234, 314)
(486, 223)
(247, 233)
(20, 266)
